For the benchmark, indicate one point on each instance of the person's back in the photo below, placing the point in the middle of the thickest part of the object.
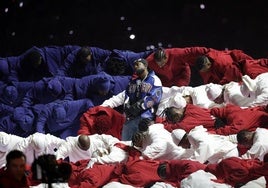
(83, 61)
(84, 146)
(7, 143)
(210, 148)
(61, 118)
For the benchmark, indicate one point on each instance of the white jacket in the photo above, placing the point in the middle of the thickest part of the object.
(7, 143)
(39, 144)
(98, 143)
(260, 145)
(159, 145)
(210, 147)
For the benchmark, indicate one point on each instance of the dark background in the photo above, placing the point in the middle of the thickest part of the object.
(170, 23)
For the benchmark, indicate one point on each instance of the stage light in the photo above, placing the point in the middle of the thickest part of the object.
(152, 47)
(202, 6)
(6, 10)
(122, 18)
(132, 36)
(71, 32)
(13, 33)
(21, 4)
(129, 28)
(160, 44)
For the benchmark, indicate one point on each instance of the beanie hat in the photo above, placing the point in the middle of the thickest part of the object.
(103, 84)
(4, 140)
(249, 83)
(177, 135)
(24, 117)
(177, 101)
(142, 61)
(54, 87)
(10, 94)
(213, 91)
(59, 113)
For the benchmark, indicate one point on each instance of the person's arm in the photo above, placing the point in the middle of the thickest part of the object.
(230, 73)
(41, 120)
(115, 100)
(51, 141)
(155, 150)
(6, 109)
(260, 99)
(109, 140)
(64, 69)
(218, 112)
(116, 155)
(257, 150)
(64, 150)
(231, 128)
(13, 64)
(87, 122)
(184, 75)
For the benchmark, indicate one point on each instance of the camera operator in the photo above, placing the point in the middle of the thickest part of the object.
(50, 172)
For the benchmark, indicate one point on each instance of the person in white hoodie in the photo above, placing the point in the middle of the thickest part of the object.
(256, 89)
(85, 146)
(256, 141)
(206, 147)
(32, 146)
(155, 142)
(39, 144)
(185, 94)
(227, 94)
(7, 143)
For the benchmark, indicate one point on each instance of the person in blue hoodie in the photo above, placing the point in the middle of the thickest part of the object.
(100, 87)
(12, 94)
(121, 62)
(20, 122)
(4, 70)
(36, 63)
(83, 61)
(61, 118)
(45, 91)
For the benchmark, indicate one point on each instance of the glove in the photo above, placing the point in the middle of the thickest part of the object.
(134, 110)
(90, 164)
(233, 138)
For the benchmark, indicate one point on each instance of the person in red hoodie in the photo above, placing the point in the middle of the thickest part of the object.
(235, 118)
(237, 172)
(254, 67)
(221, 67)
(173, 65)
(15, 174)
(186, 118)
(102, 120)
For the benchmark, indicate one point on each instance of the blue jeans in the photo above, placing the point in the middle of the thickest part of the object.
(129, 128)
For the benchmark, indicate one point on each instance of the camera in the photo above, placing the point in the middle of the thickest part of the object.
(47, 169)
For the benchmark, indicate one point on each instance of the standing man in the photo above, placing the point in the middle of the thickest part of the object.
(140, 99)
